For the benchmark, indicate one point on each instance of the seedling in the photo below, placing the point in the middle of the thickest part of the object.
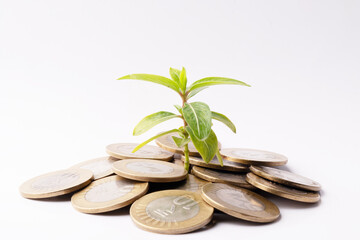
(197, 116)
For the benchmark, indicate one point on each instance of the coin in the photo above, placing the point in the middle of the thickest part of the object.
(240, 203)
(171, 212)
(253, 156)
(191, 183)
(286, 178)
(101, 167)
(108, 194)
(166, 142)
(282, 190)
(215, 164)
(124, 151)
(56, 183)
(149, 170)
(210, 175)
(178, 162)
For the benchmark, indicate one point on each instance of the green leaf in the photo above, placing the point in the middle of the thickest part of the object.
(222, 118)
(180, 142)
(150, 121)
(206, 148)
(198, 117)
(210, 81)
(175, 75)
(179, 109)
(219, 157)
(153, 138)
(167, 82)
(183, 80)
(194, 92)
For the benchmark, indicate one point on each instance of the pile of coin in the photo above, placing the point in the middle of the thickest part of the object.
(165, 198)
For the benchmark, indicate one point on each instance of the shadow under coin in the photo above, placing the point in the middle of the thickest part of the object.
(124, 211)
(62, 198)
(228, 219)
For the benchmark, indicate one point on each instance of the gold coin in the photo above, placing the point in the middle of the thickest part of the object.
(286, 178)
(108, 194)
(166, 142)
(171, 212)
(149, 170)
(124, 151)
(215, 164)
(56, 183)
(253, 156)
(101, 167)
(191, 183)
(282, 190)
(240, 203)
(210, 175)
(178, 162)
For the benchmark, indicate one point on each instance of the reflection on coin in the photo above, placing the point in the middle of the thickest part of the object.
(215, 164)
(192, 184)
(253, 156)
(240, 203)
(124, 151)
(56, 183)
(149, 170)
(282, 190)
(166, 142)
(286, 178)
(101, 167)
(108, 194)
(237, 179)
(171, 212)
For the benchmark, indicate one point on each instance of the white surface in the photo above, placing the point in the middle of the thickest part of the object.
(60, 103)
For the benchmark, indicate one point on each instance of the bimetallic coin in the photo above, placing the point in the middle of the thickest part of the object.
(108, 194)
(166, 142)
(286, 178)
(171, 212)
(56, 183)
(210, 175)
(101, 167)
(149, 170)
(240, 203)
(192, 184)
(215, 164)
(124, 151)
(253, 156)
(178, 162)
(282, 190)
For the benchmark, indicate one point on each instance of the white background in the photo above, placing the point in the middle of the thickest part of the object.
(60, 102)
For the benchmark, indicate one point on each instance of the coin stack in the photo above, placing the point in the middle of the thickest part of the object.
(164, 197)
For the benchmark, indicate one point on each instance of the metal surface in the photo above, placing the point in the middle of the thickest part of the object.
(282, 190)
(253, 156)
(240, 203)
(215, 164)
(171, 212)
(124, 151)
(149, 170)
(286, 178)
(238, 179)
(101, 167)
(56, 183)
(108, 194)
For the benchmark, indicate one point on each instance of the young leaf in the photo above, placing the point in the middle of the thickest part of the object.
(198, 117)
(175, 75)
(222, 118)
(179, 109)
(183, 80)
(155, 79)
(194, 92)
(219, 157)
(206, 148)
(210, 81)
(150, 121)
(180, 142)
(153, 138)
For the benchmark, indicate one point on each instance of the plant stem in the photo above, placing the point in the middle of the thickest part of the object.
(186, 147)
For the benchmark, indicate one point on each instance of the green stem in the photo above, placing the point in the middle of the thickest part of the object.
(186, 152)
